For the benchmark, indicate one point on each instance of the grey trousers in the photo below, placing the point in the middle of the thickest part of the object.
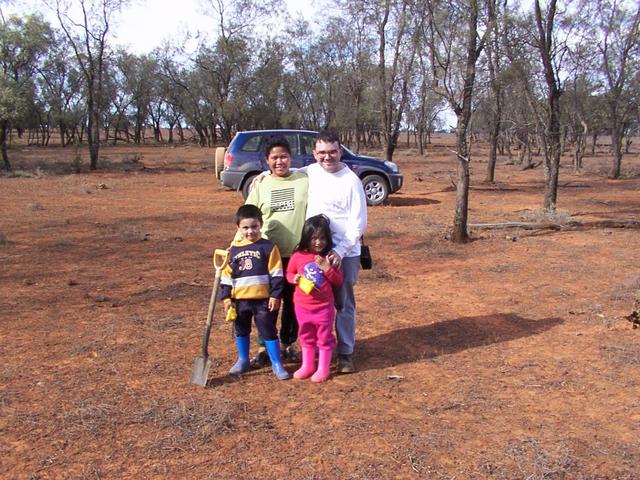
(346, 316)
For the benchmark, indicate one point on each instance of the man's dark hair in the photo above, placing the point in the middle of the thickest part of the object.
(277, 141)
(327, 136)
(248, 211)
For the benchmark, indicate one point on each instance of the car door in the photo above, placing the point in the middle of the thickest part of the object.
(252, 154)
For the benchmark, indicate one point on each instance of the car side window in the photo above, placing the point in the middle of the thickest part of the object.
(293, 143)
(306, 144)
(252, 144)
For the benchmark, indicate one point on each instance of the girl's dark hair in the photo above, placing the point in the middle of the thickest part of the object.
(319, 222)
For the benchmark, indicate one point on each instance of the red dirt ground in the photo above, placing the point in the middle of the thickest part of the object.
(505, 358)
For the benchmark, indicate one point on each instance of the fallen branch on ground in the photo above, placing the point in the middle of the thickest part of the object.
(531, 166)
(558, 226)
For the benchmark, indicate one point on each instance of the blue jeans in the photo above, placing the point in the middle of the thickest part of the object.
(345, 298)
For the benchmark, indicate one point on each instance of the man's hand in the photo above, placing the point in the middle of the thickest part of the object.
(323, 263)
(334, 258)
(274, 304)
(257, 179)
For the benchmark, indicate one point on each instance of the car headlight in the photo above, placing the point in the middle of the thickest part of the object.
(392, 166)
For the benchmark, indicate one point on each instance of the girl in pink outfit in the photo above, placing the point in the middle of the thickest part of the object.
(314, 277)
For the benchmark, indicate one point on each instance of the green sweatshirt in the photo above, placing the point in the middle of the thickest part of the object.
(283, 202)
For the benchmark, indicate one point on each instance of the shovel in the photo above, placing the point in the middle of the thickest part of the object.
(201, 365)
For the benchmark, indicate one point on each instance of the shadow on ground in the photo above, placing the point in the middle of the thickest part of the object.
(422, 342)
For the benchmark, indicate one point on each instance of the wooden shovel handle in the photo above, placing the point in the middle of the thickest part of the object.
(220, 259)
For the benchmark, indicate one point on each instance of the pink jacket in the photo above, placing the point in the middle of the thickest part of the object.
(304, 264)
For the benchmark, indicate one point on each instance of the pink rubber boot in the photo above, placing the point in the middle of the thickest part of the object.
(324, 361)
(308, 364)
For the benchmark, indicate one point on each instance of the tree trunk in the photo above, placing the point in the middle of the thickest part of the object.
(493, 150)
(581, 145)
(552, 135)
(389, 147)
(460, 234)
(552, 153)
(616, 146)
(564, 134)
(4, 133)
(93, 131)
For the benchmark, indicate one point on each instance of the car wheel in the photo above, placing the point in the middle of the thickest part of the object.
(376, 189)
(247, 184)
(219, 160)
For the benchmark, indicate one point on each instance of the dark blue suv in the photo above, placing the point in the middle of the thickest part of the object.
(244, 159)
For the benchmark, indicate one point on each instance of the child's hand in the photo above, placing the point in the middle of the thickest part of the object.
(296, 279)
(323, 263)
(230, 310)
(274, 304)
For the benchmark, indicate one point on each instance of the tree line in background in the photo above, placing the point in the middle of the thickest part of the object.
(543, 79)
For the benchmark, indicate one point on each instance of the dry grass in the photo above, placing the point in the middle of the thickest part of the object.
(159, 324)
(559, 217)
(623, 354)
(186, 424)
(38, 172)
(88, 417)
(535, 462)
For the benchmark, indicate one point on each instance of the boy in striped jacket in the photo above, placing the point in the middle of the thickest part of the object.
(252, 282)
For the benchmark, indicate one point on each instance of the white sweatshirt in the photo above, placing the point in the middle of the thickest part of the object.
(341, 198)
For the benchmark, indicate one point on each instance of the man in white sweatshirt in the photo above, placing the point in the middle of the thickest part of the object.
(336, 191)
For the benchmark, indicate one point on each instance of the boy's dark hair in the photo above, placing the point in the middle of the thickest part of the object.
(327, 136)
(277, 141)
(319, 222)
(248, 211)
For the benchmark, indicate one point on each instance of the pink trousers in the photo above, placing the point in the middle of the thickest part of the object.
(316, 326)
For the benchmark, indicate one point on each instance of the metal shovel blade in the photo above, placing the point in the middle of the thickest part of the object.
(202, 364)
(200, 371)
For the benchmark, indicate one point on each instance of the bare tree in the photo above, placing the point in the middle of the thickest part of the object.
(496, 74)
(227, 63)
(551, 56)
(86, 24)
(395, 73)
(427, 105)
(457, 31)
(614, 25)
(61, 91)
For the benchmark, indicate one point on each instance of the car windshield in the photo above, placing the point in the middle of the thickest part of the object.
(347, 151)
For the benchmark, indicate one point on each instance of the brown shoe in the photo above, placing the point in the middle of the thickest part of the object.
(345, 364)
(260, 360)
(289, 352)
